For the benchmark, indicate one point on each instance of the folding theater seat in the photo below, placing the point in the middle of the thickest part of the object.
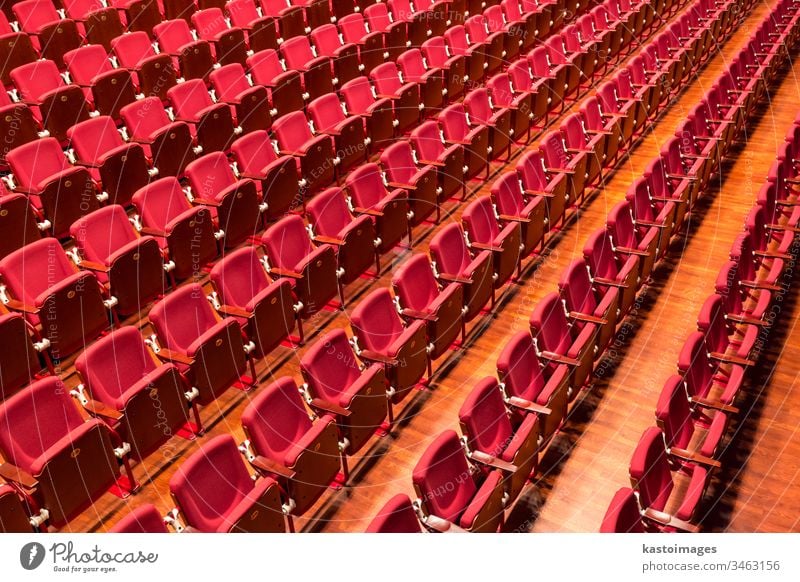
(208, 351)
(407, 99)
(397, 516)
(368, 194)
(560, 159)
(512, 204)
(312, 268)
(215, 493)
(14, 516)
(19, 363)
(184, 232)
(285, 88)
(261, 32)
(502, 95)
(118, 167)
(276, 177)
(651, 211)
(494, 443)
(560, 340)
(493, 45)
(228, 42)
(288, 18)
(51, 35)
(180, 9)
(234, 203)
(211, 123)
(544, 98)
(17, 123)
(475, 58)
(155, 73)
(125, 387)
(483, 232)
(597, 123)
(420, 183)
(742, 304)
(317, 71)
(649, 84)
(337, 384)
(138, 15)
(653, 482)
(529, 20)
(684, 166)
(448, 159)
(707, 382)
(768, 242)
(420, 297)
(691, 438)
(611, 270)
(585, 303)
(622, 515)
(56, 189)
(580, 50)
(627, 240)
(377, 113)
(56, 105)
(495, 23)
(453, 263)
(382, 337)
(283, 443)
(430, 79)
(249, 104)
(579, 141)
(18, 221)
(98, 24)
(315, 13)
(535, 180)
(609, 33)
(417, 20)
(437, 55)
(193, 58)
(354, 238)
(456, 129)
(480, 109)
(394, 31)
(667, 189)
(168, 144)
(64, 461)
(528, 387)
(143, 519)
(626, 112)
(371, 50)
(265, 308)
(451, 491)
(108, 89)
(130, 268)
(754, 271)
(344, 55)
(16, 49)
(348, 132)
(557, 75)
(316, 159)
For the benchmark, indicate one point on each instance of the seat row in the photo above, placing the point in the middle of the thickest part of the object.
(674, 461)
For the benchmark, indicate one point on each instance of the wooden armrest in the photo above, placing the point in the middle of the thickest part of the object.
(541, 193)
(560, 171)
(96, 408)
(153, 231)
(328, 406)
(736, 318)
(92, 266)
(559, 359)
(510, 218)
(772, 255)
(782, 227)
(649, 223)
(20, 306)
(396, 185)
(667, 199)
(455, 279)
(668, 520)
(760, 285)
(285, 273)
(694, 457)
(14, 474)
(419, 314)
(376, 357)
(369, 211)
(172, 356)
(232, 311)
(494, 462)
(441, 525)
(523, 404)
(265, 465)
(599, 132)
(630, 251)
(485, 247)
(682, 177)
(610, 282)
(706, 403)
(731, 359)
(587, 318)
(328, 240)
(436, 163)
(205, 202)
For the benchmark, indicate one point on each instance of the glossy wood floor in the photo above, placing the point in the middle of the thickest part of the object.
(588, 460)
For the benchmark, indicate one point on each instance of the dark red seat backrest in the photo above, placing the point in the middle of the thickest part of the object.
(376, 321)
(182, 317)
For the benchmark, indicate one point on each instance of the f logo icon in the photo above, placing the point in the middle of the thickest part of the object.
(31, 555)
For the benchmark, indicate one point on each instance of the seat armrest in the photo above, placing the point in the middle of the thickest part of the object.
(559, 359)
(14, 474)
(172, 356)
(265, 465)
(231, 311)
(706, 403)
(455, 279)
(328, 406)
(494, 462)
(668, 520)
(587, 318)
(685, 455)
(523, 404)
(376, 357)
(413, 313)
(285, 273)
(328, 240)
(99, 409)
(485, 247)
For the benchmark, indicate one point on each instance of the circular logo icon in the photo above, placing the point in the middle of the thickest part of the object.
(31, 555)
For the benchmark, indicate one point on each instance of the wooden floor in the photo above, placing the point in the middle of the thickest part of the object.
(588, 461)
